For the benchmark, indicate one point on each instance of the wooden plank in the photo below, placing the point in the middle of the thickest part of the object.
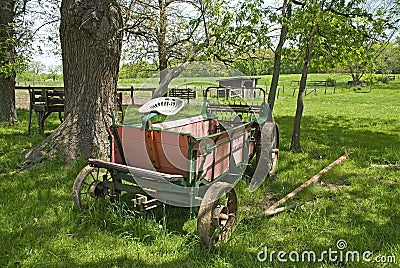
(56, 94)
(318, 83)
(182, 93)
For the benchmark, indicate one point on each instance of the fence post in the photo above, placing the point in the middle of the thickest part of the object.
(132, 97)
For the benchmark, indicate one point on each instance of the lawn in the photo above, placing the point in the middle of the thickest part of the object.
(354, 203)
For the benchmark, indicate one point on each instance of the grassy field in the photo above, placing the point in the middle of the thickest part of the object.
(355, 203)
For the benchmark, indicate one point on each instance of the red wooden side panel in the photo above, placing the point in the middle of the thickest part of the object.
(167, 150)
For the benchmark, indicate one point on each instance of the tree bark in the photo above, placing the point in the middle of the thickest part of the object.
(162, 46)
(91, 40)
(7, 100)
(295, 143)
(7, 53)
(286, 14)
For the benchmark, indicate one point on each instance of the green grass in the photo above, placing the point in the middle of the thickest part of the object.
(356, 203)
(285, 80)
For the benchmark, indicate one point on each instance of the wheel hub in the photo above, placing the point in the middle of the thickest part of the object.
(97, 189)
(220, 216)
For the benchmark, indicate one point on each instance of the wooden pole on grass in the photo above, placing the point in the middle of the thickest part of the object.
(273, 209)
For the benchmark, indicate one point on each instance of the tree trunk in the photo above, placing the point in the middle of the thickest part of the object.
(162, 89)
(169, 75)
(7, 100)
(295, 144)
(7, 74)
(356, 72)
(286, 14)
(162, 47)
(91, 43)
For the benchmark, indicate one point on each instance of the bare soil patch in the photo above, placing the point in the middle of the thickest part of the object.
(22, 99)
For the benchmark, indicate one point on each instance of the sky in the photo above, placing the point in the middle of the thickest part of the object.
(48, 59)
(45, 17)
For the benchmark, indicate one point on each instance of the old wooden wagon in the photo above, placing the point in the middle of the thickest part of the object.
(191, 162)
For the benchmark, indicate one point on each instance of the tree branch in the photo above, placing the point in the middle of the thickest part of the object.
(302, 4)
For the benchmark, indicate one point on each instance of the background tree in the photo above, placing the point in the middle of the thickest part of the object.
(17, 28)
(176, 32)
(375, 33)
(162, 31)
(37, 67)
(284, 19)
(141, 69)
(259, 62)
(321, 30)
(396, 55)
(385, 62)
(91, 41)
(53, 71)
(7, 61)
(236, 32)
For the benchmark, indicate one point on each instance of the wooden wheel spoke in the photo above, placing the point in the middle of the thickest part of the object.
(223, 216)
(216, 220)
(88, 187)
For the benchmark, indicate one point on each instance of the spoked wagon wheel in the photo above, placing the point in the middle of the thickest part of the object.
(268, 149)
(217, 214)
(267, 154)
(89, 185)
